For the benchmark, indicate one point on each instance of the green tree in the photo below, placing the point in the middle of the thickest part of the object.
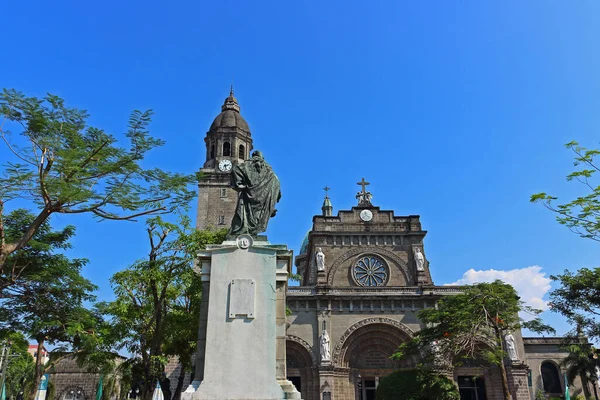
(581, 215)
(471, 326)
(183, 320)
(580, 362)
(578, 299)
(45, 299)
(21, 365)
(416, 384)
(155, 299)
(63, 165)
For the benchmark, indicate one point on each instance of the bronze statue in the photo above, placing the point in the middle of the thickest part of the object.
(258, 192)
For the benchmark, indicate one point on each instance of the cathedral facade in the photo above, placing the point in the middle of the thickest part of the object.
(364, 278)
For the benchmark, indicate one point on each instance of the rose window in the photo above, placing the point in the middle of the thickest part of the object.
(370, 271)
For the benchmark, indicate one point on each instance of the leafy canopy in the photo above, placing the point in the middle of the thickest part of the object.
(471, 325)
(578, 299)
(581, 215)
(157, 299)
(63, 165)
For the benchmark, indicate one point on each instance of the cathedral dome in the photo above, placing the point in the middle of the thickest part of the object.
(230, 116)
(304, 246)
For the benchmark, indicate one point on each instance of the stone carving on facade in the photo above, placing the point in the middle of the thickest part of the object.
(511, 346)
(419, 259)
(324, 346)
(364, 199)
(320, 260)
(304, 344)
(401, 262)
(367, 321)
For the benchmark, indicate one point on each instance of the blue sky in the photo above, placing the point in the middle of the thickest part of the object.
(457, 111)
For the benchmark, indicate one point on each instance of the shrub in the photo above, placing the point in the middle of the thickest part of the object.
(416, 384)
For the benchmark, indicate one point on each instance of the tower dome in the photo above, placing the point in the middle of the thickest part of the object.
(230, 116)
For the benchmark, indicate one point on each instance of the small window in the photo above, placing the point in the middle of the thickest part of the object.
(242, 152)
(226, 149)
(221, 220)
(212, 151)
(223, 193)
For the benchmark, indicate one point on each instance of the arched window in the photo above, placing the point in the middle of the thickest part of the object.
(550, 378)
(226, 149)
(242, 152)
(212, 151)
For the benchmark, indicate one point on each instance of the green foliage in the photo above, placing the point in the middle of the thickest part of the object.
(581, 215)
(579, 362)
(63, 165)
(471, 326)
(416, 384)
(42, 292)
(21, 365)
(45, 298)
(155, 312)
(578, 299)
(540, 395)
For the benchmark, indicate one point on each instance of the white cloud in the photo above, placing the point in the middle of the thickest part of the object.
(531, 283)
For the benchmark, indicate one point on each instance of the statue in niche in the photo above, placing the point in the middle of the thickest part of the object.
(511, 346)
(419, 259)
(258, 192)
(320, 259)
(324, 343)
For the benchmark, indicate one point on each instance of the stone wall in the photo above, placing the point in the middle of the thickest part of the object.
(68, 376)
(540, 350)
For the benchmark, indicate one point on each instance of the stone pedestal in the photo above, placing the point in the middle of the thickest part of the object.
(241, 340)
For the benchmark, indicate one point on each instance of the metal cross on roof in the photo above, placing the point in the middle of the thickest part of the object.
(364, 184)
(326, 189)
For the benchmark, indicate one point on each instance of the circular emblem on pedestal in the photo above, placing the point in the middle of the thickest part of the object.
(244, 241)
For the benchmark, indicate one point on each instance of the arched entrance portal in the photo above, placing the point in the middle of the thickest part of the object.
(366, 351)
(299, 363)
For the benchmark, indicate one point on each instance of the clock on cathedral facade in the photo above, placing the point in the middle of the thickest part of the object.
(364, 278)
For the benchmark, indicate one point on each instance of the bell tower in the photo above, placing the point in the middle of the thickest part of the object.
(228, 142)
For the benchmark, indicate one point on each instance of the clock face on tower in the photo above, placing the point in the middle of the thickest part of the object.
(225, 165)
(366, 215)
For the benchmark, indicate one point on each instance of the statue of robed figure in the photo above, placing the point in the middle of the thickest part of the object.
(258, 192)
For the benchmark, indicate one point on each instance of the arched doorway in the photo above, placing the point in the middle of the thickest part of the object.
(551, 378)
(366, 351)
(299, 363)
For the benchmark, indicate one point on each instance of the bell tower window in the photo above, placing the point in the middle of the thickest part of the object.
(226, 149)
(242, 152)
(212, 151)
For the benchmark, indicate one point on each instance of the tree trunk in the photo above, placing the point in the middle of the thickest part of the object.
(595, 392)
(503, 373)
(505, 388)
(584, 383)
(38, 370)
(180, 380)
(9, 248)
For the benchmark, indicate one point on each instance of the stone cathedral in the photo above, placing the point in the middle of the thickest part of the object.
(364, 276)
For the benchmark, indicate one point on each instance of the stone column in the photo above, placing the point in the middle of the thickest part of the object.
(517, 380)
(242, 325)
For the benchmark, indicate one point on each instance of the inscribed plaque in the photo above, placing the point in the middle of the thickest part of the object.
(241, 298)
